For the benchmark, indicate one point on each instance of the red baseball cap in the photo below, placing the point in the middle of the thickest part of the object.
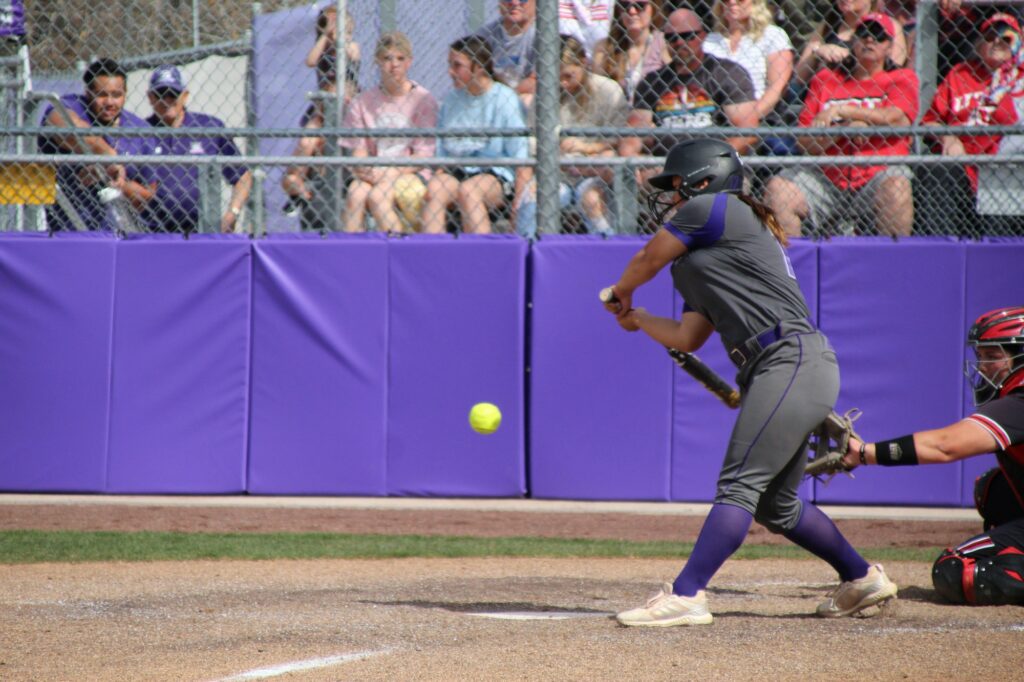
(883, 20)
(1001, 18)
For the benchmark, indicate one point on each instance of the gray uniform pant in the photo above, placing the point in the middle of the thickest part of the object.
(788, 391)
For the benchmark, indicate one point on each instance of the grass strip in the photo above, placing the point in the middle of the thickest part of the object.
(69, 546)
(35, 546)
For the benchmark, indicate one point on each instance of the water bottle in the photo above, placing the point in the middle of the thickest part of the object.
(119, 215)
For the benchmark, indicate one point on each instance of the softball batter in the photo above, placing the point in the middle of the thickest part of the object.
(729, 265)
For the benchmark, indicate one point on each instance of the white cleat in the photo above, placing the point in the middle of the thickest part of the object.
(666, 609)
(853, 596)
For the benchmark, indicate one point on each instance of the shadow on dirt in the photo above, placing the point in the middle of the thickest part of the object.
(922, 594)
(485, 606)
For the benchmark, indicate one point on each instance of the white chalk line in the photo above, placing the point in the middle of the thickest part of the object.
(299, 666)
(943, 629)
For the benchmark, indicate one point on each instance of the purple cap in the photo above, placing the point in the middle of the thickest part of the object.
(167, 77)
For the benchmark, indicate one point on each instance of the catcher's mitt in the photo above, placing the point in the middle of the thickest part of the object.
(829, 443)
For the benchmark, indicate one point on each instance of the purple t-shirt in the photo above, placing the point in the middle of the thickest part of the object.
(83, 197)
(12, 18)
(176, 205)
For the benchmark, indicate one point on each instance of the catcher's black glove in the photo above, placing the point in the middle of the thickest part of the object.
(828, 443)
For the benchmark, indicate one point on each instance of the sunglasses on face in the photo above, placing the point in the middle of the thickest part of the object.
(876, 33)
(682, 36)
(167, 95)
(631, 6)
(1005, 35)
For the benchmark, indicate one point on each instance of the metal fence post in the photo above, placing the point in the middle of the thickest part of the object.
(548, 173)
(209, 197)
(258, 217)
(624, 199)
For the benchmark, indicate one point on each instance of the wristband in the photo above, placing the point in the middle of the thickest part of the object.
(863, 459)
(898, 452)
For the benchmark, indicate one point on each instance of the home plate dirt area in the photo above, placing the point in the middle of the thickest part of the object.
(469, 619)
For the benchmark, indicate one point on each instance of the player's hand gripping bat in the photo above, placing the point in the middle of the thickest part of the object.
(692, 365)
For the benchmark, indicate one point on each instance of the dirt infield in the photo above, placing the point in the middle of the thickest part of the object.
(468, 619)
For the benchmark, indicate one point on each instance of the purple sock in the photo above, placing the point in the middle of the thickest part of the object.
(723, 532)
(816, 533)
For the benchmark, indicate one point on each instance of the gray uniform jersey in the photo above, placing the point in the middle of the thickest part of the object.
(734, 273)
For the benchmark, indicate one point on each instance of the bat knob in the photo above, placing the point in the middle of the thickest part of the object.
(607, 295)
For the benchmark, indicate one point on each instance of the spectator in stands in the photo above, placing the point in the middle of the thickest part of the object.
(866, 90)
(696, 90)
(477, 101)
(634, 46)
(323, 56)
(397, 103)
(310, 195)
(175, 207)
(951, 13)
(745, 33)
(792, 16)
(587, 101)
(830, 44)
(798, 18)
(310, 188)
(904, 13)
(100, 106)
(588, 21)
(970, 95)
(511, 39)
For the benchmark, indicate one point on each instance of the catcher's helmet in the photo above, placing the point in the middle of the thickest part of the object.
(1002, 328)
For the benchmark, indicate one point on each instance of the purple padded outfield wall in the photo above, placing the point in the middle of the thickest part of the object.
(319, 365)
(180, 371)
(56, 312)
(456, 338)
(347, 365)
(894, 313)
(600, 399)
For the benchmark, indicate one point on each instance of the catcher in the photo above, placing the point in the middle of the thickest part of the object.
(988, 568)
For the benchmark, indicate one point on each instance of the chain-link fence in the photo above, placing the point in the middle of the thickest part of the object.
(539, 116)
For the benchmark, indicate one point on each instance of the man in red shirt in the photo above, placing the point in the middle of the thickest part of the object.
(865, 90)
(971, 95)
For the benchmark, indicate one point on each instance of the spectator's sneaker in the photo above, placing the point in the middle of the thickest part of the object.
(665, 609)
(854, 596)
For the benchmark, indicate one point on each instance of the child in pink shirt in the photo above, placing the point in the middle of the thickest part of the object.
(397, 103)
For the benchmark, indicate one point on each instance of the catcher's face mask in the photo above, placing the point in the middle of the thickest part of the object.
(989, 370)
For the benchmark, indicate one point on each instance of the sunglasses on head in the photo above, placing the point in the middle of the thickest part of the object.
(681, 36)
(638, 5)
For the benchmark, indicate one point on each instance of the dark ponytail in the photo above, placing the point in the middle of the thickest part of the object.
(766, 216)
